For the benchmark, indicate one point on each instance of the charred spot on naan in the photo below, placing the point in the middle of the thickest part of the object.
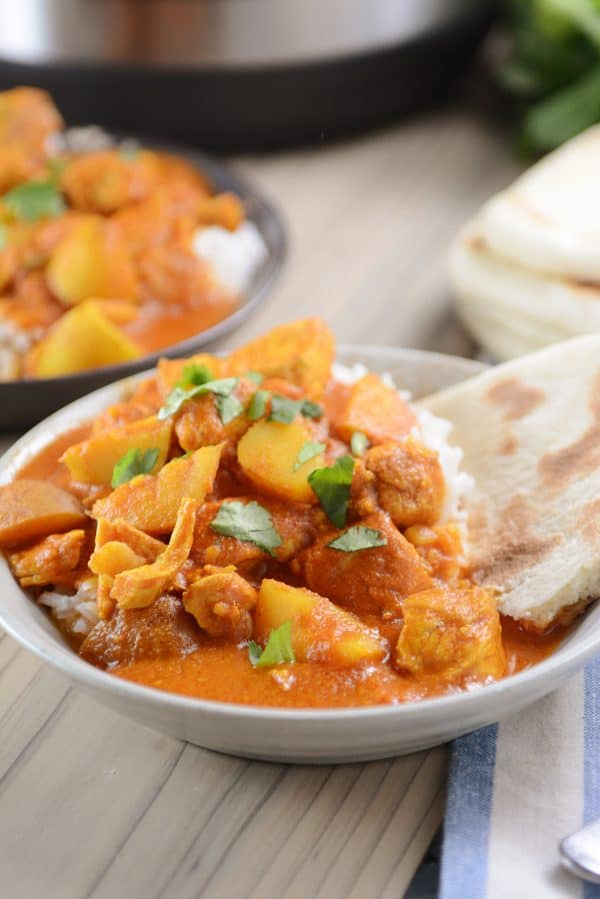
(576, 459)
(513, 546)
(517, 398)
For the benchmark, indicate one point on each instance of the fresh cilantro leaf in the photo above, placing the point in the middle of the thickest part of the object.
(3, 237)
(247, 521)
(332, 488)
(178, 396)
(254, 376)
(254, 652)
(134, 462)
(358, 443)
(229, 407)
(308, 451)
(285, 410)
(34, 200)
(129, 150)
(278, 648)
(258, 404)
(311, 410)
(194, 375)
(56, 166)
(357, 538)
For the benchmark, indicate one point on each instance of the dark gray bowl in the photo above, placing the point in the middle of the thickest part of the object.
(25, 402)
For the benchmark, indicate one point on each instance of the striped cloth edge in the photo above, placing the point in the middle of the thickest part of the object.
(515, 789)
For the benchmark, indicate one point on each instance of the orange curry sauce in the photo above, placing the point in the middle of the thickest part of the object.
(221, 671)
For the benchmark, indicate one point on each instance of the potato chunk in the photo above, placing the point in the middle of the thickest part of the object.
(375, 409)
(321, 632)
(301, 352)
(410, 482)
(370, 581)
(31, 509)
(93, 460)
(139, 587)
(294, 523)
(150, 502)
(51, 561)
(82, 339)
(268, 453)
(221, 603)
(454, 634)
(91, 263)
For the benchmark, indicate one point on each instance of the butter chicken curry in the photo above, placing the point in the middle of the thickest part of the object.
(261, 529)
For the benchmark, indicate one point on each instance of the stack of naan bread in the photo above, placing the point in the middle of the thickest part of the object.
(526, 271)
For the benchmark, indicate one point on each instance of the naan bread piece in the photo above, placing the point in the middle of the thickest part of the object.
(548, 219)
(530, 433)
(512, 310)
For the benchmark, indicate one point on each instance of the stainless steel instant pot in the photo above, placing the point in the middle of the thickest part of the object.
(240, 74)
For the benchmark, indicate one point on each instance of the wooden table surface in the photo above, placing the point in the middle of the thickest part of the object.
(92, 805)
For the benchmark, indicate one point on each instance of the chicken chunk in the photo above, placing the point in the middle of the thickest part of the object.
(162, 629)
(53, 560)
(410, 482)
(221, 603)
(454, 634)
(295, 524)
(200, 424)
(104, 181)
(370, 581)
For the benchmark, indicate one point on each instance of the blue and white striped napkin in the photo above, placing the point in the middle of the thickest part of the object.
(515, 790)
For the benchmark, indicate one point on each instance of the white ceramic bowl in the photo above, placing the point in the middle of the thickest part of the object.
(340, 735)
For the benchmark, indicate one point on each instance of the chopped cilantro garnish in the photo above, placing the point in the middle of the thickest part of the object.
(229, 407)
(194, 375)
(129, 150)
(258, 404)
(285, 410)
(34, 200)
(332, 488)
(278, 648)
(178, 396)
(250, 522)
(308, 451)
(358, 443)
(254, 376)
(357, 538)
(311, 410)
(134, 462)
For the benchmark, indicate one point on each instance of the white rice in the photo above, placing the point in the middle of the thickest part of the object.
(14, 343)
(78, 611)
(234, 255)
(432, 432)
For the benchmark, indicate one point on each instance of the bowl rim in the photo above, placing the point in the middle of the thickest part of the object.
(569, 656)
(259, 209)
